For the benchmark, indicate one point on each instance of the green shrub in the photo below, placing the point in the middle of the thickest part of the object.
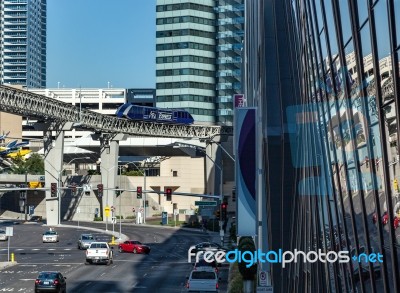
(119, 217)
(130, 217)
(98, 219)
(247, 244)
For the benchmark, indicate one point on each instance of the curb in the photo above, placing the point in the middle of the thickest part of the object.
(115, 234)
(4, 265)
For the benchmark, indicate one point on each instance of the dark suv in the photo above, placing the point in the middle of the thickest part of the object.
(50, 282)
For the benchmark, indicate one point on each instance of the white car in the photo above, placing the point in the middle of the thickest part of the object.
(202, 280)
(50, 236)
(3, 236)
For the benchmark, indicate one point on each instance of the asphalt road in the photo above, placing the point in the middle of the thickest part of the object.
(164, 270)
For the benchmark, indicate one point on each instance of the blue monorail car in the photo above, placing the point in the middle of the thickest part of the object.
(153, 114)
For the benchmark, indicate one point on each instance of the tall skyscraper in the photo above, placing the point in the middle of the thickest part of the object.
(230, 28)
(185, 69)
(23, 47)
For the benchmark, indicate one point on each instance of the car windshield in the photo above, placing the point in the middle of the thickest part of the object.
(98, 245)
(203, 275)
(87, 237)
(204, 263)
(47, 275)
(50, 233)
(2, 232)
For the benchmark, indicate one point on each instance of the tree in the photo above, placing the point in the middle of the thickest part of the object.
(33, 165)
(247, 244)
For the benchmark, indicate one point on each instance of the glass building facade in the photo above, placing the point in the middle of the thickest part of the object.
(230, 30)
(23, 46)
(198, 63)
(185, 57)
(325, 76)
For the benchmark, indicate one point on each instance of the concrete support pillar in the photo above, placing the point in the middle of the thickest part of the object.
(212, 172)
(53, 163)
(109, 150)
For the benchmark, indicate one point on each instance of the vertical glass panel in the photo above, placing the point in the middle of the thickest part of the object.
(391, 146)
(382, 29)
(345, 18)
(366, 41)
(319, 14)
(324, 51)
(389, 269)
(331, 27)
(397, 19)
(362, 11)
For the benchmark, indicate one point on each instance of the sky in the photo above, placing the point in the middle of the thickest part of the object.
(96, 43)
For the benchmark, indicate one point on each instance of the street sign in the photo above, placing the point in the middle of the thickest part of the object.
(9, 231)
(268, 289)
(206, 203)
(41, 178)
(31, 210)
(262, 278)
(176, 212)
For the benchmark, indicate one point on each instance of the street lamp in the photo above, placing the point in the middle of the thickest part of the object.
(210, 141)
(59, 186)
(144, 188)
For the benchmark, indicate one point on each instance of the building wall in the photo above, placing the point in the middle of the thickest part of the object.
(11, 123)
(185, 57)
(189, 179)
(230, 31)
(23, 50)
(328, 92)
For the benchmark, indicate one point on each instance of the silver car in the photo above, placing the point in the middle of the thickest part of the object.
(3, 236)
(50, 236)
(85, 240)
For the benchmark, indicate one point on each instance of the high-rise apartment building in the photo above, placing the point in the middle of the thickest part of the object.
(199, 57)
(230, 26)
(23, 46)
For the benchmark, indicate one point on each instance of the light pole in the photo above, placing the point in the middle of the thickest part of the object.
(107, 188)
(59, 186)
(220, 192)
(144, 189)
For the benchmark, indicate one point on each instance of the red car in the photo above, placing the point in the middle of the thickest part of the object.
(396, 222)
(133, 246)
(385, 218)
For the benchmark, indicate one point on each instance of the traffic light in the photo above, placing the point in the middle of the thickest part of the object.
(53, 189)
(168, 192)
(218, 215)
(233, 195)
(100, 190)
(117, 192)
(139, 192)
(146, 203)
(223, 210)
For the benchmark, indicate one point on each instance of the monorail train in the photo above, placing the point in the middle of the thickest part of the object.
(143, 113)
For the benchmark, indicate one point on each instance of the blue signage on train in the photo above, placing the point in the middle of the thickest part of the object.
(153, 114)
